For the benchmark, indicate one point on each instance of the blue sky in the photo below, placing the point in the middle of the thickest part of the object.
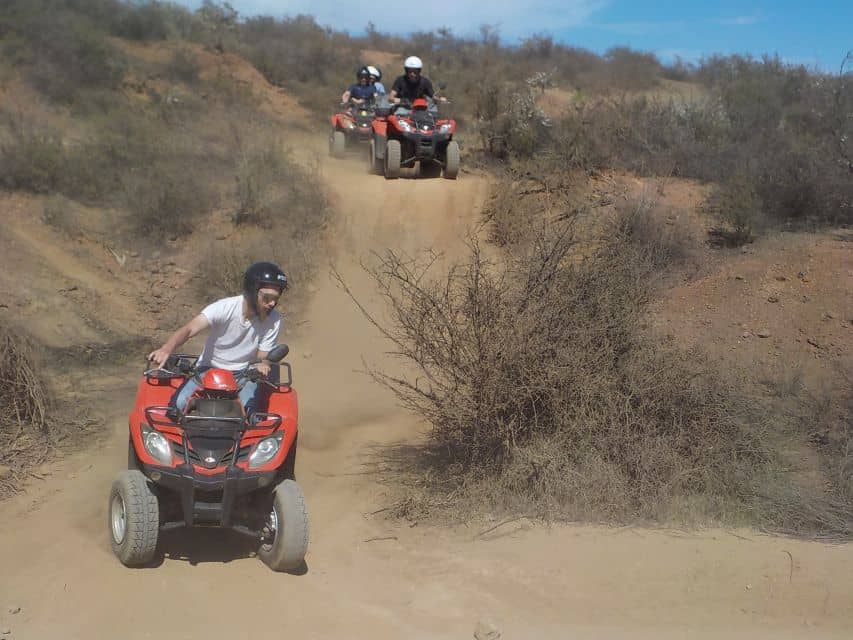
(817, 34)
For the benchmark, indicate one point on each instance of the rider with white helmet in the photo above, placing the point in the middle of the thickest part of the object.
(375, 79)
(412, 85)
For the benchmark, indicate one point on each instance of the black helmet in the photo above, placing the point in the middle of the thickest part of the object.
(256, 276)
(362, 73)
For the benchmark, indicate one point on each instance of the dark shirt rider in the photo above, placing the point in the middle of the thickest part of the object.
(403, 88)
(412, 85)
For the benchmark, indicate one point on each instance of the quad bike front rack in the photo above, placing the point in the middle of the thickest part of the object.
(184, 479)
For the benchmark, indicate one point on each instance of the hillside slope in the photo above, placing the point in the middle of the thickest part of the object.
(369, 577)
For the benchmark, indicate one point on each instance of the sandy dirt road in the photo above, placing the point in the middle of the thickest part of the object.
(369, 577)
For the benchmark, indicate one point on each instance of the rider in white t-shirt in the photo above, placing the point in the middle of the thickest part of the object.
(242, 328)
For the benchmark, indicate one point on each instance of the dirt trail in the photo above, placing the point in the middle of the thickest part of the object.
(371, 578)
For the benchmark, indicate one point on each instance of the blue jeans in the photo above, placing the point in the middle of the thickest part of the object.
(248, 391)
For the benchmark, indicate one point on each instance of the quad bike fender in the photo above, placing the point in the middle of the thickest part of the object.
(151, 392)
(380, 127)
(285, 404)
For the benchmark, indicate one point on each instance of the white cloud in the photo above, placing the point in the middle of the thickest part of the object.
(463, 17)
(668, 56)
(741, 21)
(641, 28)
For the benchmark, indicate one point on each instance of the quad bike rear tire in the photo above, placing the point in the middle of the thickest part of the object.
(393, 155)
(337, 144)
(451, 162)
(286, 552)
(134, 518)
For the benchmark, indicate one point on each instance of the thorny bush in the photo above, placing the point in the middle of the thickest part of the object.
(542, 394)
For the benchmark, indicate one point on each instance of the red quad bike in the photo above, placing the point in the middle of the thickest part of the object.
(350, 127)
(407, 134)
(212, 465)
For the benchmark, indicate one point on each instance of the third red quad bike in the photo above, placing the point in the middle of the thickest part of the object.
(350, 127)
(405, 134)
(211, 465)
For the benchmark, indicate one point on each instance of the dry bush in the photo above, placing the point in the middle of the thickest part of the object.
(272, 189)
(61, 48)
(738, 206)
(643, 223)
(295, 52)
(265, 178)
(627, 70)
(823, 419)
(507, 222)
(31, 157)
(542, 394)
(141, 21)
(183, 66)
(25, 424)
(168, 201)
(776, 137)
(61, 214)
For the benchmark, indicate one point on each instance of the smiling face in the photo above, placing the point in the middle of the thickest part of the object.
(268, 297)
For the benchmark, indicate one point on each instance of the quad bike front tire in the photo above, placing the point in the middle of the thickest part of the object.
(132, 458)
(393, 155)
(133, 518)
(289, 523)
(451, 162)
(373, 164)
(337, 144)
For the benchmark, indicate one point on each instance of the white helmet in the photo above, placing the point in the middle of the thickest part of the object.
(375, 72)
(413, 62)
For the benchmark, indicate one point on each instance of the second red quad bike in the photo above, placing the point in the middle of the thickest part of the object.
(406, 134)
(350, 128)
(211, 465)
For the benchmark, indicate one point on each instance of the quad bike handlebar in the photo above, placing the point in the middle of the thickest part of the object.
(177, 365)
(184, 365)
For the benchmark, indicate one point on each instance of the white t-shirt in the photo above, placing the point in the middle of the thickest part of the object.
(232, 340)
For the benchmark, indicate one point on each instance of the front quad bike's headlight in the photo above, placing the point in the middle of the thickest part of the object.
(265, 450)
(405, 126)
(445, 128)
(349, 124)
(156, 445)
